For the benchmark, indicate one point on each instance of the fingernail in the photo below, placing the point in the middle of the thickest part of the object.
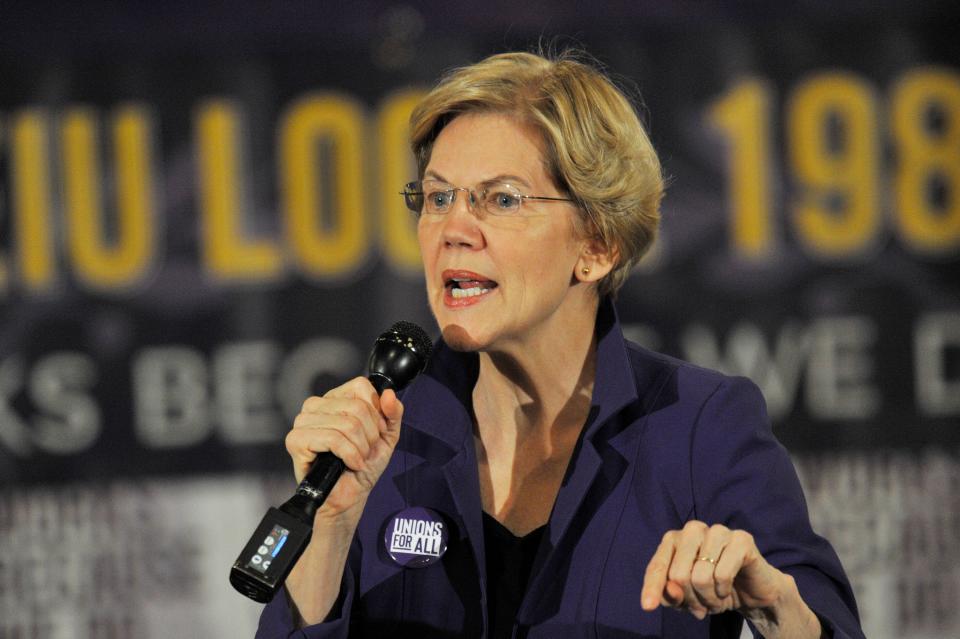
(648, 602)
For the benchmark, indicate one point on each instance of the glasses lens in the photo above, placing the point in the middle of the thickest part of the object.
(501, 199)
(437, 196)
(413, 196)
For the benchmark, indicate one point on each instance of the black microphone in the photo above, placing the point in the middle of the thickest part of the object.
(398, 356)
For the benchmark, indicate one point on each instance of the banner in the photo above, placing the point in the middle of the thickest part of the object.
(201, 226)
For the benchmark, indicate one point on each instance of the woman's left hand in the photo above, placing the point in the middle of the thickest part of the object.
(712, 569)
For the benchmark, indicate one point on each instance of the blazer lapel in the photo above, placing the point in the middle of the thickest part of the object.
(442, 412)
(464, 484)
(614, 389)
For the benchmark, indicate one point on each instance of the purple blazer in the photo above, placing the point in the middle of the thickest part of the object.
(665, 442)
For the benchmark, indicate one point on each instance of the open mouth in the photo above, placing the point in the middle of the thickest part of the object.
(461, 287)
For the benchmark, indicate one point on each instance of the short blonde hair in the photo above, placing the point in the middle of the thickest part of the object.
(597, 150)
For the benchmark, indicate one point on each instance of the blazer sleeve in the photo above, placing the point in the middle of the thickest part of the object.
(277, 622)
(742, 477)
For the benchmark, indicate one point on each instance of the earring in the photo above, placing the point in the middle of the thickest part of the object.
(585, 270)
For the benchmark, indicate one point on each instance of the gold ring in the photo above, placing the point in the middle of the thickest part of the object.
(710, 559)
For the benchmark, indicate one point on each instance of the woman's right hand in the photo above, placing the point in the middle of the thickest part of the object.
(357, 426)
(362, 429)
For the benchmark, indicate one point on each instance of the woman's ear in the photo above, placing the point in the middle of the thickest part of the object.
(596, 261)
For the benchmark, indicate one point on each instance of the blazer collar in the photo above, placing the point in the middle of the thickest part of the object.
(439, 401)
(614, 386)
(614, 389)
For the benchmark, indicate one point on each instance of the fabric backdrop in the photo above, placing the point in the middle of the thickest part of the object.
(200, 226)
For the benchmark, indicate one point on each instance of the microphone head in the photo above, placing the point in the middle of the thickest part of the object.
(415, 337)
(398, 355)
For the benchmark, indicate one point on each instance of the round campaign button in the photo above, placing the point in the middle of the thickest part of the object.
(416, 537)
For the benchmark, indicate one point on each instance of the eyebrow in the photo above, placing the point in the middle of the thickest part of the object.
(435, 176)
(508, 178)
(503, 177)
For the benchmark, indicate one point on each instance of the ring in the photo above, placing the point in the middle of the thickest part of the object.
(705, 558)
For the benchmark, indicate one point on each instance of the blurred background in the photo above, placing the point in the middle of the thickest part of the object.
(200, 226)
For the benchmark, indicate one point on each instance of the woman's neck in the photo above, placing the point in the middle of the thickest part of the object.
(530, 405)
(542, 386)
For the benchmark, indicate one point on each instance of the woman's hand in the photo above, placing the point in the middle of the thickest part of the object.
(362, 429)
(357, 426)
(712, 569)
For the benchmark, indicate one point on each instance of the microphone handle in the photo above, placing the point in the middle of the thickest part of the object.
(284, 532)
(327, 467)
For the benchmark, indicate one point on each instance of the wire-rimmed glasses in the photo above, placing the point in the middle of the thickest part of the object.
(434, 197)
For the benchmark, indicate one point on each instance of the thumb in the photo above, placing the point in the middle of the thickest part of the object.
(392, 410)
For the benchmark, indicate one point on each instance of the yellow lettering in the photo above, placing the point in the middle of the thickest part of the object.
(928, 157)
(321, 173)
(229, 253)
(3, 258)
(743, 116)
(124, 260)
(397, 167)
(831, 129)
(31, 199)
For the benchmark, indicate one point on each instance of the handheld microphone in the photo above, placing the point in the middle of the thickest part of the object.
(398, 356)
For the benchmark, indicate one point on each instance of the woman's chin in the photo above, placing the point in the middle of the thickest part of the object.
(459, 339)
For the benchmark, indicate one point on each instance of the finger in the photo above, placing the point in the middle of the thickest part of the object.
(731, 561)
(360, 388)
(305, 442)
(300, 453)
(304, 446)
(682, 598)
(368, 417)
(655, 576)
(681, 569)
(356, 388)
(342, 446)
(688, 545)
(702, 577)
(356, 428)
(369, 404)
(673, 594)
(392, 409)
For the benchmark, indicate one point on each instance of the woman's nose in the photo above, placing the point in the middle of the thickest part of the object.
(461, 225)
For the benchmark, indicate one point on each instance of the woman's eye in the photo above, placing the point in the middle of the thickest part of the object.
(505, 201)
(440, 199)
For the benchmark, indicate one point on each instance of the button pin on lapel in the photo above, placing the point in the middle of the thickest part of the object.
(416, 537)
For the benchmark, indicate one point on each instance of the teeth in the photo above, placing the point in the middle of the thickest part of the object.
(469, 292)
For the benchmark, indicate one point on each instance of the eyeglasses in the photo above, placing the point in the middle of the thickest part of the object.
(496, 198)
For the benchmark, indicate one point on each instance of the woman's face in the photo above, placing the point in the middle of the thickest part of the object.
(517, 273)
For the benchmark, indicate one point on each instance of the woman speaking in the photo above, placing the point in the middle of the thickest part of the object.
(544, 477)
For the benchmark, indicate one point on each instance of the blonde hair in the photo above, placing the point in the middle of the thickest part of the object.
(597, 150)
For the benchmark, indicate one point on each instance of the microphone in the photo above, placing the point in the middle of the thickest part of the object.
(398, 356)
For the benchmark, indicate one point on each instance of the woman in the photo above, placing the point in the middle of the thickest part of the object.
(586, 487)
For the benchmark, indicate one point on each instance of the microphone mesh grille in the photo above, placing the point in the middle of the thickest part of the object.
(421, 341)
